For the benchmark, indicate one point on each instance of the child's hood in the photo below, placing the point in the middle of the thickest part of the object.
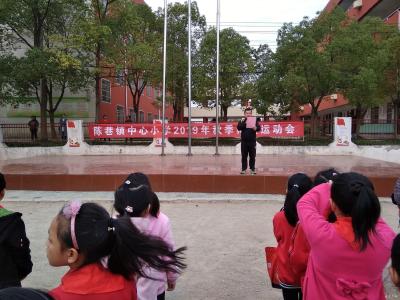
(8, 222)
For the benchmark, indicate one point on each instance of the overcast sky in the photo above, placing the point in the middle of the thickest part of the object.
(250, 16)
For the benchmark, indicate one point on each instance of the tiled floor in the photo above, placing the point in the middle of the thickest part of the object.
(202, 173)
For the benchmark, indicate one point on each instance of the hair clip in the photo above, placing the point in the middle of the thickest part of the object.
(296, 185)
(111, 229)
(128, 182)
(129, 209)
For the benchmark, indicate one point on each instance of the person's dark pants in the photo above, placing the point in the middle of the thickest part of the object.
(161, 296)
(248, 150)
(34, 134)
(292, 294)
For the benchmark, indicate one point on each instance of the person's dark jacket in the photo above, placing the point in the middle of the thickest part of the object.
(33, 124)
(15, 257)
(248, 135)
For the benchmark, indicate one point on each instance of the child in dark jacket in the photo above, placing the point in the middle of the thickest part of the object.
(15, 258)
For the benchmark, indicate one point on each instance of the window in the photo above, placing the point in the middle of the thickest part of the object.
(120, 77)
(155, 117)
(148, 90)
(105, 90)
(120, 114)
(389, 112)
(375, 114)
(141, 117)
(149, 117)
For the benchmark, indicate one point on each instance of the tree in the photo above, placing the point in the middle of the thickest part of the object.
(92, 36)
(235, 66)
(363, 58)
(27, 23)
(136, 41)
(305, 67)
(271, 92)
(7, 63)
(47, 62)
(391, 84)
(177, 51)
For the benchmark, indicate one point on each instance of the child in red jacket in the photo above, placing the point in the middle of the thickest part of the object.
(284, 224)
(104, 254)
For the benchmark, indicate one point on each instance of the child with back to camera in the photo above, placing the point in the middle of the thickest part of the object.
(136, 199)
(104, 254)
(285, 222)
(348, 256)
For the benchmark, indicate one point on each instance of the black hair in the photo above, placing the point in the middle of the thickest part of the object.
(248, 108)
(354, 195)
(3, 183)
(127, 249)
(136, 179)
(19, 293)
(324, 176)
(298, 185)
(396, 254)
(133, 201)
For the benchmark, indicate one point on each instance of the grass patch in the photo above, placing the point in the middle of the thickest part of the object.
(368, 142)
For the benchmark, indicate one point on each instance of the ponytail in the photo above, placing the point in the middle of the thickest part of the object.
(298, 185)
(131, 249)
(154, 205)
(127, 249)
(289, 207)
(365, 214)
(354, 195)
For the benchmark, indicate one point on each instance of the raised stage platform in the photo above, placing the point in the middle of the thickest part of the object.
(173, 173)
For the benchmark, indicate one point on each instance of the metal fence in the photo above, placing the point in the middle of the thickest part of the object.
(369, 129)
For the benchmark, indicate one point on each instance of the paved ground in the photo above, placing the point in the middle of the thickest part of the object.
(225, 242)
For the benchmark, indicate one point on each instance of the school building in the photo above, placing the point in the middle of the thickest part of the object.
(336, 105)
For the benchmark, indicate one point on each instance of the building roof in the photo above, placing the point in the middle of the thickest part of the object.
(327, 103)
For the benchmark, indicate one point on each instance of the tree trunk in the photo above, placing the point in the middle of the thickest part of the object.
(136, 111)
(43, 110)
(360, 113)
(314, 122)
(396, 105)
(97, 85)
(52, 125)
(224, 112)
(51, 111)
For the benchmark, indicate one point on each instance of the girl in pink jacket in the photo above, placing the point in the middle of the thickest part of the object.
(347, 257)
(136, 199)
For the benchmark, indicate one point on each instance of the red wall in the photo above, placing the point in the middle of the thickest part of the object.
(394, 19)
(118, 99)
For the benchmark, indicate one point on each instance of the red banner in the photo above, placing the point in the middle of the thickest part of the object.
(199, 130)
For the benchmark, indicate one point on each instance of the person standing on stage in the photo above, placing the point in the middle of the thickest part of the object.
(248, 126)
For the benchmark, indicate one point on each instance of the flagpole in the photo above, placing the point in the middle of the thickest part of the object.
(190, 77)
(217, 87)
(164, 78)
